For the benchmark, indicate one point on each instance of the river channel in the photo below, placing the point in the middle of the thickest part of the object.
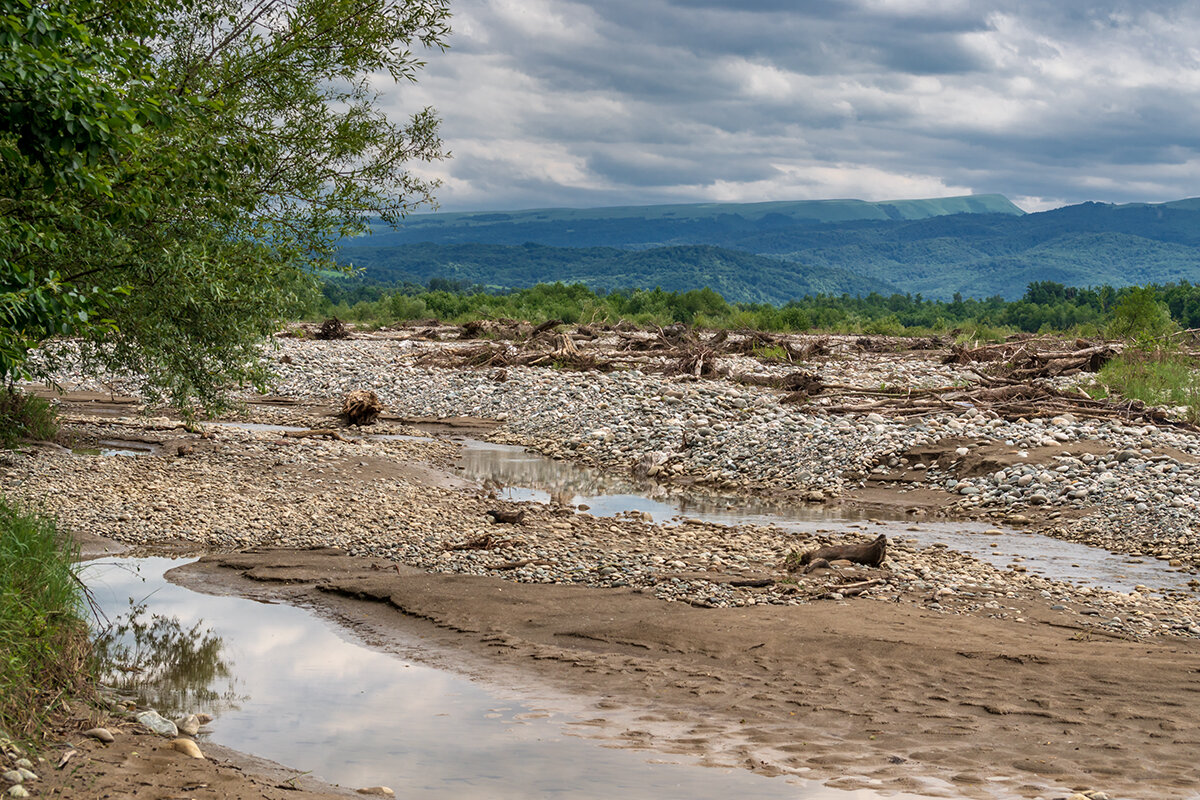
(289, 686)
(298, 689)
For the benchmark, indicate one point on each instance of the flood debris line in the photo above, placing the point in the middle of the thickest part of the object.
(1008, 399)
(1023, 358)
(1013, 379)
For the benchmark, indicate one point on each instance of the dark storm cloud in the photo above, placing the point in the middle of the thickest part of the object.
(550, 102)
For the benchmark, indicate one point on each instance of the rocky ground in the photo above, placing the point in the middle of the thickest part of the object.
(1131, 488)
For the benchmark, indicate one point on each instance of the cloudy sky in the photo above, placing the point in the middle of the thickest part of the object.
(611, 102)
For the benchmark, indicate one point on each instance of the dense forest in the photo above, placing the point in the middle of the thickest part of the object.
(740, 276)
(1044, 306)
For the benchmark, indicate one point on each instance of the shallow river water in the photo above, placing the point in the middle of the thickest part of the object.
(289, 686)
(520, 475)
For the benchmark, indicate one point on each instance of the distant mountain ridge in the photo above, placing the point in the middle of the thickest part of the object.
(743, 277)
(632, 227)
(978, 245)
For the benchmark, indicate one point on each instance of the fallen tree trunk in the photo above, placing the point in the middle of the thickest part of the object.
(871, 554)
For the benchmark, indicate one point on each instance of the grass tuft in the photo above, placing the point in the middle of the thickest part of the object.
(25, 416)
(1156, 377)
(45, 648)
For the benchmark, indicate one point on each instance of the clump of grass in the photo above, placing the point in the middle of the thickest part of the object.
(1156, 377)
(773, 352)
(25, 416)
(45, 650)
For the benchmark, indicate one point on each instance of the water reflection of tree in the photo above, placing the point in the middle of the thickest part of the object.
(166, 666)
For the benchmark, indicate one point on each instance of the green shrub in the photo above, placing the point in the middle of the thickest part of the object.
(885, 326)
(1141, 317)
(772, 352)
(44, 644)
(402, 308)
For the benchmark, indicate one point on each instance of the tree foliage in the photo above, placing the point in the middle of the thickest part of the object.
(1132, 312)
(174, 171)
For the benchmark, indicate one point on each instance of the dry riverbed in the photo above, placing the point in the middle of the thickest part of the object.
(934, 673)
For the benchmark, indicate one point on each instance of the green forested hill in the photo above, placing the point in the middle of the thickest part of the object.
(978, 246)
(739, 277)
(984, 255)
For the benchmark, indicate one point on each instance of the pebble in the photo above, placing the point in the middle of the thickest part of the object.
(187, 747)
(103, 734)
(378, 791)
(189, 725)
(155, 722)
(17, 791)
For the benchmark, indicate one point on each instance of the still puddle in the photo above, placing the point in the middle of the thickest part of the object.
(118, 447)
(288, 686)
(521, 475)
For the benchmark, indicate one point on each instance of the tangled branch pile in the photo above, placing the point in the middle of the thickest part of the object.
(332, 328)
(1024, 360)
(1013, 377)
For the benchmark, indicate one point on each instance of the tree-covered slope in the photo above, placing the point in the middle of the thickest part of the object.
(737, 276)
(981, 255)
(910, 245)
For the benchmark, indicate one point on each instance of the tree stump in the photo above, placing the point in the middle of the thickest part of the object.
(332, 328)
(361, 407)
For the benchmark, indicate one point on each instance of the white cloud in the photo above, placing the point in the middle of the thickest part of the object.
(623, 102)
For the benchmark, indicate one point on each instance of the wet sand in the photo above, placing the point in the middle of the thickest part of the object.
(861, 693)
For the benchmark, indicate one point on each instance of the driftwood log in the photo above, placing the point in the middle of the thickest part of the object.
(328, 433)
(524, 562)
(361, 407)
(871, 554)
(483, 542)
(548, 325)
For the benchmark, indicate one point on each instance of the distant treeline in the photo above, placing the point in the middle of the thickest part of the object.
(1045, 306)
